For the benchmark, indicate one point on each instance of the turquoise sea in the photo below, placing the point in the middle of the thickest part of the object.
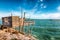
(44, 29)
(47, 29)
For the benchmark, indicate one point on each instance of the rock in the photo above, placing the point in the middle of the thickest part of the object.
(11, 34)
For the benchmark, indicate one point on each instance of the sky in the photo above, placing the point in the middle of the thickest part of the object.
(34, 9)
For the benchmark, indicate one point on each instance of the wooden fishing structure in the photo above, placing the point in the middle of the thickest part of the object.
(16, 21)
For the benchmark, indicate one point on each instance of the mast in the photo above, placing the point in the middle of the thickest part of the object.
(11, 14)
(21, 13)
(23, 19)
(21, 28)
(24, 15)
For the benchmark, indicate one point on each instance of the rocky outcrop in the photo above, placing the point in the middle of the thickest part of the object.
(11, 34)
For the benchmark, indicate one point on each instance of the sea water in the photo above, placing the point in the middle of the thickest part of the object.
(44, 29)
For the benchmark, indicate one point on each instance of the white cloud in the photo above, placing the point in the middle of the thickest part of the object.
(58, 8)
(44, 6)
(2, 14)
(41, 4)
(41, 0)
(45, 16)
(32, 15)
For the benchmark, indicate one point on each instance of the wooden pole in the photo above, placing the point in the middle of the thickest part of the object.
(19, 24)
(23, 19)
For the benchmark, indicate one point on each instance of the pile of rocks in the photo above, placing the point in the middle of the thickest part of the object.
(11, 34)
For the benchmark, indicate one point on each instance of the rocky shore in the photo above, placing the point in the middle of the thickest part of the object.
(12, 34)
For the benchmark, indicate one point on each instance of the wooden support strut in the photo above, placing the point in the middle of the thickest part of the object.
(22, 26)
